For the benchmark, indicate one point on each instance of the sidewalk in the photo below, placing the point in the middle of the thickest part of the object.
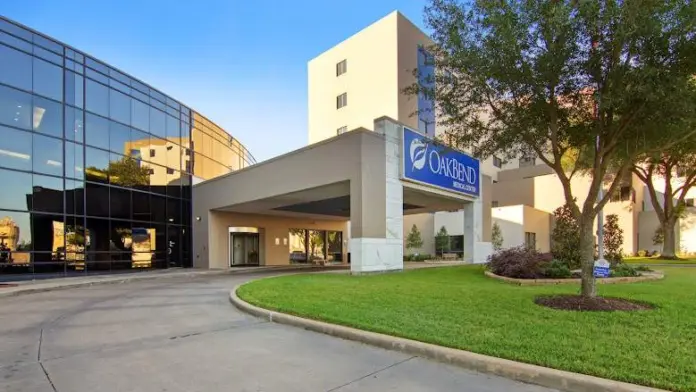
(19, 287)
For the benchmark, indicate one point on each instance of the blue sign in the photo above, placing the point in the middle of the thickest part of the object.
(601, 269)
(428, 162)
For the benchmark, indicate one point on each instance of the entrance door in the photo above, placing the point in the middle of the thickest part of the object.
(244, 249)
(173, 246)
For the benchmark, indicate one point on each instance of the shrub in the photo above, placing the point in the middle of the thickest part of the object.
(418, 257)
(613, 240)
(622, 270)
(642, 253)
(519, 262)
(642, 268)
(496, 237)
(565, 237)
(557, 269)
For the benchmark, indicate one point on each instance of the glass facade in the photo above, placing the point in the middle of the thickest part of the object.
(96, 167)
(426, 106)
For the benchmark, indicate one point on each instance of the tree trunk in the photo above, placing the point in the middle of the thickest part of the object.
(669, 241)
(587, 245)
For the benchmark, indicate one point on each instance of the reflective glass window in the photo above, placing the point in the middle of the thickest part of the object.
(16, 30)
(48, 44)
(158, 208)
(97, 199)
(74, 124)
(157, 122)
(16, 42)
(15, 68)
(128, 171)
(47, 194)
(119, 106)
(19, 224)
(96, 165)
(48, 155)
(173, 210)
(48, 55)
(73, 66)
(140, 115)
(92, 74)
(120, 200)
(74, 197)
(48, 79)
(185, 132)
(159, 105)
(115, 84)
(74, 160)
(15, 149)
(97, 131)
(119, 136)
(172, 112)
(141, 87)
(47, 237)
(141, 206)
(97, 98)
(16, 189)
(97, 65)
(158, 95)
(80, 58)
(74, 89)
(173, 129)
(47, 117)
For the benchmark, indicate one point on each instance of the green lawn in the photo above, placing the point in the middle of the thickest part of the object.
(657, 260)
(460, 307)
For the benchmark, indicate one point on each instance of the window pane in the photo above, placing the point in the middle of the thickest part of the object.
(15, 68)
(74, 160)
(47, 194)
(97, 197)
(48, 117)
(18, 227)
(120, 200)
(74, 89)
(119, 107)
(48, 80)
(97, 65)
(141, 206)
(119, 135)
(97, 98)
(48, 44)
(158, 207)
(16, 30)
(140, 115)
(15, 150)
(173, 210)
(48, 155)
(48, 237)
(15, 108)
(157, 122)
(48, 55)
(173, 129)
(74, 197)
(97, 131)
(74, 124)
(16, 42)
(96, 165)
(16, 188)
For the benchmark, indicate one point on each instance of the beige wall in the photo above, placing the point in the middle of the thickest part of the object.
(425, 223)
(409, 38)
(513, 192)
(510, 219)
(271, 228)
(538, 222)
(371, 81)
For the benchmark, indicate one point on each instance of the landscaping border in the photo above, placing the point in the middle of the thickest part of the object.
(646, 276)
(531, 374)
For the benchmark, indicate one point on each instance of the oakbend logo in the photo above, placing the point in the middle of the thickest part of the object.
(418, 152)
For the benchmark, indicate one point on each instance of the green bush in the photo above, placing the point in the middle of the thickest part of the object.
(642, 253)
(418, 257)
(557, 269)
(565, 237)
(623, 270)
(519, 262)
(642, 268)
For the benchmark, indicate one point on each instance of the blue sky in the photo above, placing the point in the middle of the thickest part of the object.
(243, 64)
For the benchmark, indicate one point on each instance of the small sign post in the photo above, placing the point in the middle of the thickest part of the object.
(601, 268)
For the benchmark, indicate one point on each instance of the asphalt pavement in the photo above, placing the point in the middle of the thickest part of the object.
(182, 334)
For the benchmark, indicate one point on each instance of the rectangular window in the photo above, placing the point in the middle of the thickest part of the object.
(152, 153)
(97, 98)
(16, 42)
(97, 131)
(15, 108)
(157, 123)
(530, 240)
(74, 89)
(48, 80)
(47, 117)
(497, 162)
(527, 161)
(15, 152)
(342, 130)
(15, 197)
(15, 68)
(341, 100)
(170, 170)
(341, 67)
(494, 203)
(48, 155)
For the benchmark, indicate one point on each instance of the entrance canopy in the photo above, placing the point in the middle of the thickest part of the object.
(357, 176)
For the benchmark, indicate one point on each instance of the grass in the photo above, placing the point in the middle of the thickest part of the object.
(459, 307)
(657, 260)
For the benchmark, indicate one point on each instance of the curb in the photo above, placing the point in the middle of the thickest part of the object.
(127, 279)
(646, 277)
(531, 374)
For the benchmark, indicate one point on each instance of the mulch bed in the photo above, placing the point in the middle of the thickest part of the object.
(596, 304)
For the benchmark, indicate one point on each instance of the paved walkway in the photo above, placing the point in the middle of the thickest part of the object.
(182, 334)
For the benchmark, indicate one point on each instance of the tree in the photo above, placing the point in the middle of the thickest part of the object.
(601, 82)
(565, 237)
(128, 172)
(613, 240)
(442, 240)
(659, 237)
(496, 237)
(413, 239)
(676, 168)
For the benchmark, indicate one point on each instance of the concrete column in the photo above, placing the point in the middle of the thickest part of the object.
(476, 251)
(377, 205)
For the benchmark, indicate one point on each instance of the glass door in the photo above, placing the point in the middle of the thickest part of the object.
(173, 246)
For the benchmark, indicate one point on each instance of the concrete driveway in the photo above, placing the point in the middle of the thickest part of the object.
(182, 334)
